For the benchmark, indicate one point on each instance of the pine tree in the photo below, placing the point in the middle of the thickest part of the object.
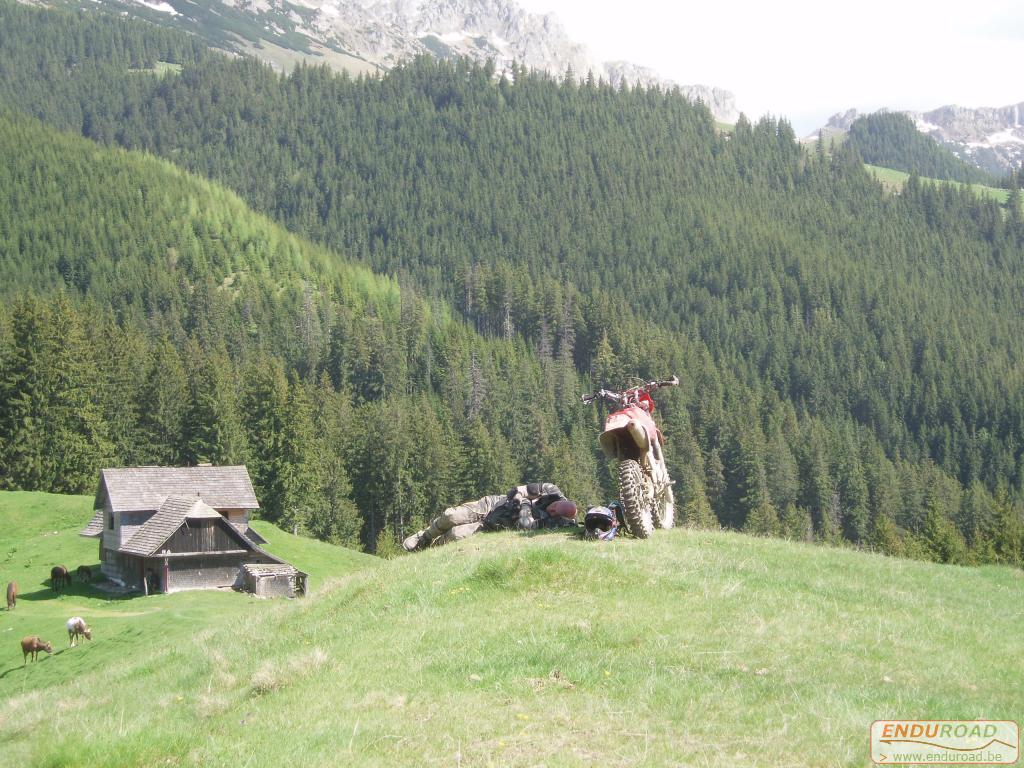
(337, 518)
(77, 442)
(489, 465)
(885, 537)
(163, 401)
(605, 369)
(940, 539)
(796, 524)
(762, 519)
(25, 383)
(716, 484)
(265, 405)
(1004, 531)
(300, 470)
(853, 492)
(121, 390)
(212, 430)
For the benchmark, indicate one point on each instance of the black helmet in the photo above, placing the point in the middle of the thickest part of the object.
(600, 523)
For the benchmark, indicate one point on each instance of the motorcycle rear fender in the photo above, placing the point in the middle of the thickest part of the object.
(628, 441)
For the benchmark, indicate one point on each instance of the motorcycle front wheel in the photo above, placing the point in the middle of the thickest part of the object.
(665, 510)
(636, 503)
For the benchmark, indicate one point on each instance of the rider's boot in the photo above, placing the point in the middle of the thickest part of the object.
(418, 540)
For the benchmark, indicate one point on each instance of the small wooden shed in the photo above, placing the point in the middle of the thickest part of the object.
(274, 580)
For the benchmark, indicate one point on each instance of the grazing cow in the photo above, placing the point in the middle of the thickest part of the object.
(59, 578)
(12, 595)
(32, 645)
(84, 573)
(76, 627)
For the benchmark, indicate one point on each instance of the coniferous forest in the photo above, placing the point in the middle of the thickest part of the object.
(386, 294)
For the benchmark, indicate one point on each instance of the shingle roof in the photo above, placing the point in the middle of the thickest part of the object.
(168, 519)
(95, 526)
(270, 569)
(251, 535)
(133, 489)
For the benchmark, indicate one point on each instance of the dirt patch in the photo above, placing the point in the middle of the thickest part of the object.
(554, 680)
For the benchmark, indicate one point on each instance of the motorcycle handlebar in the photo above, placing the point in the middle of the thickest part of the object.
(617, 397)
(601, 394)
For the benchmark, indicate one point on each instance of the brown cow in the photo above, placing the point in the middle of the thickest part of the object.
(12, 595)
(84, 573)
(59, 577)
(32, 645)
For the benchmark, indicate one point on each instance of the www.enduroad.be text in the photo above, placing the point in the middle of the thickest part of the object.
(948, 757)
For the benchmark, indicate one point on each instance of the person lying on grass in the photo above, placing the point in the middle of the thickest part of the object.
(526, 507)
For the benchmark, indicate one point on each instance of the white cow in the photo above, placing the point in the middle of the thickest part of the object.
(77, 626)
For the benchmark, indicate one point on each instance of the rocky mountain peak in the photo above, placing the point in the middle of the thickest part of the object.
(363, 35)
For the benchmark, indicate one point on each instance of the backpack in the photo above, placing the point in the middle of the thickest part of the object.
(503, 517)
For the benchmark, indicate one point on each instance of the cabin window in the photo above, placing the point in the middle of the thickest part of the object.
(110, 521)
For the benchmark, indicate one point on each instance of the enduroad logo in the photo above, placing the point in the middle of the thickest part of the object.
(938, 742)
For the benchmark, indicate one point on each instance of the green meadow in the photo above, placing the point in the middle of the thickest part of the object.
(895, 180)
(691, 648)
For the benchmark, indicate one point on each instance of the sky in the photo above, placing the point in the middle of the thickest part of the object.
(806, 60)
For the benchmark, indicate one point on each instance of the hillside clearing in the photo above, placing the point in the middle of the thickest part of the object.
(895, 180)
(692, 648)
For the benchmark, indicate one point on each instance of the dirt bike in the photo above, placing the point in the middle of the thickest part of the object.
(631, 437)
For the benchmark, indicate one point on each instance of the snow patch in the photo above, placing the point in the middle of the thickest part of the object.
(1005, 137)
(925, 127)
(161, 6)
(1002, 138)
(451, 37)
(330, 10)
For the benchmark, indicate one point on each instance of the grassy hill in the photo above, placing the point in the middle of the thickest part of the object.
(692, 648)
(144, 652)
(894, 180)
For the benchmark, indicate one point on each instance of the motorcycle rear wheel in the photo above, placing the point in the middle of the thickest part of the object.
(636, 502)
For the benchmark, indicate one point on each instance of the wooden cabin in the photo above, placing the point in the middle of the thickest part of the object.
(165, 529)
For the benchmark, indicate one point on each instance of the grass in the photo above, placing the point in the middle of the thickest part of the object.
(319, 560)
(895, 180)
(834, 138)
(141, 645)
(692, 648)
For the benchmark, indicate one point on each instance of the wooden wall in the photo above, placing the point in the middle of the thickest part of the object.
(204, 535)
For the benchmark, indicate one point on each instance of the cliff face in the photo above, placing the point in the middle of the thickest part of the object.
(385, 32)
(991, 138)
(363, 35)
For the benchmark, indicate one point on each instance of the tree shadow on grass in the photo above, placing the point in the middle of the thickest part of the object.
(97, 588)
(40, 660)
(564, 532)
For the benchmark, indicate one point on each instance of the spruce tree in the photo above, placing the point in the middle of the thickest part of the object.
(163, 401)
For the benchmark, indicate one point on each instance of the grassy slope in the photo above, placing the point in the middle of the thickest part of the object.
(693, 648)
(894, 180)
(141, 645)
